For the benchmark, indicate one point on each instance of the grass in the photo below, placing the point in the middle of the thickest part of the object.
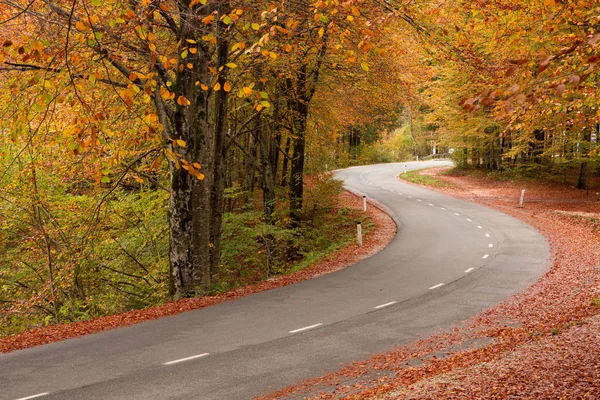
(562, 174)
(426, 180)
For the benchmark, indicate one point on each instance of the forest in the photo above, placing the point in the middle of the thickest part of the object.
(157, 149)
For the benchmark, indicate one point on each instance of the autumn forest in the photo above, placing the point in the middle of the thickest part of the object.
(155, 149)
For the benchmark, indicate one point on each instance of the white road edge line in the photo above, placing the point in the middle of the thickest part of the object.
(186, 359)
(391, 303)
(306, 328)
(35, 396)
(469, 270)
(486, 256)
(439, 285)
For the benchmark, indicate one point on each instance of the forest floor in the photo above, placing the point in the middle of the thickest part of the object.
(541, 343)
(375, 240)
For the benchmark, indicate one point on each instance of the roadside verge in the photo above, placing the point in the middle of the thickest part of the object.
(378, 238)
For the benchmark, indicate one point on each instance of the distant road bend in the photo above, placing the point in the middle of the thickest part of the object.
(449, 261)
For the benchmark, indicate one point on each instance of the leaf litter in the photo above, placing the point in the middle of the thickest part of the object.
(541, 343)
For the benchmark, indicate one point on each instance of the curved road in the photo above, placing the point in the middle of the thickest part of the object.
(449, 261)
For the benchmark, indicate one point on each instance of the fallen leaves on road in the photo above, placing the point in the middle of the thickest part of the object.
(543, 342)
(375, 241)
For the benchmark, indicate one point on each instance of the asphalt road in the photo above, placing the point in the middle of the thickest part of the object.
(449, 261)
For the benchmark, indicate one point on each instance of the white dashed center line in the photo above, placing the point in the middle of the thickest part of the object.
(391, 303)
(491, 245)
(443, 208)
(486, 256)
(431, 204)
(469, 270)
(439, 285)
(457, 214)
(186, 359)
(487, 235)
(419, 200)
(479, 226)
(35, 396)
(306, 328)
(470, 220)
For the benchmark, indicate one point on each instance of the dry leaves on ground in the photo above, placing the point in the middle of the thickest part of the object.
(541, 343)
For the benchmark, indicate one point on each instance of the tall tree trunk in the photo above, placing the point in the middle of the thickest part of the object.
(220, 128)
(583, 176)
(298, 157)
(286, 160)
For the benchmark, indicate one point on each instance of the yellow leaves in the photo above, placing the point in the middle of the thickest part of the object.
(179, 142)
(255, 26)
(193, 169)
(208, 20)
(184, 102)
(238, 46)
(248, 91)
(321, 32)
(155, 164)
(227, 87)
(217, 87)
(166, 94)
(80, 26)
(141, 31)
(210, 38)
(204, 87)
(365, 66)
(287, 48)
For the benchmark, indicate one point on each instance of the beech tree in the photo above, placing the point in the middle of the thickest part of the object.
(175, 64)
(174, 55)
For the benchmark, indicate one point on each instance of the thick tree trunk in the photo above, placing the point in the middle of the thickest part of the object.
(189, 269)
(298, 157)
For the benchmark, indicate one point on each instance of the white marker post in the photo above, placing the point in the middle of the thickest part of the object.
(405, 168)
(365, 203)
(522, 198)
(326, 168)
(359, 234)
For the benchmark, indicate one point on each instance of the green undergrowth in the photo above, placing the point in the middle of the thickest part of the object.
(253, 251)
(425, 180)
(117, 260)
